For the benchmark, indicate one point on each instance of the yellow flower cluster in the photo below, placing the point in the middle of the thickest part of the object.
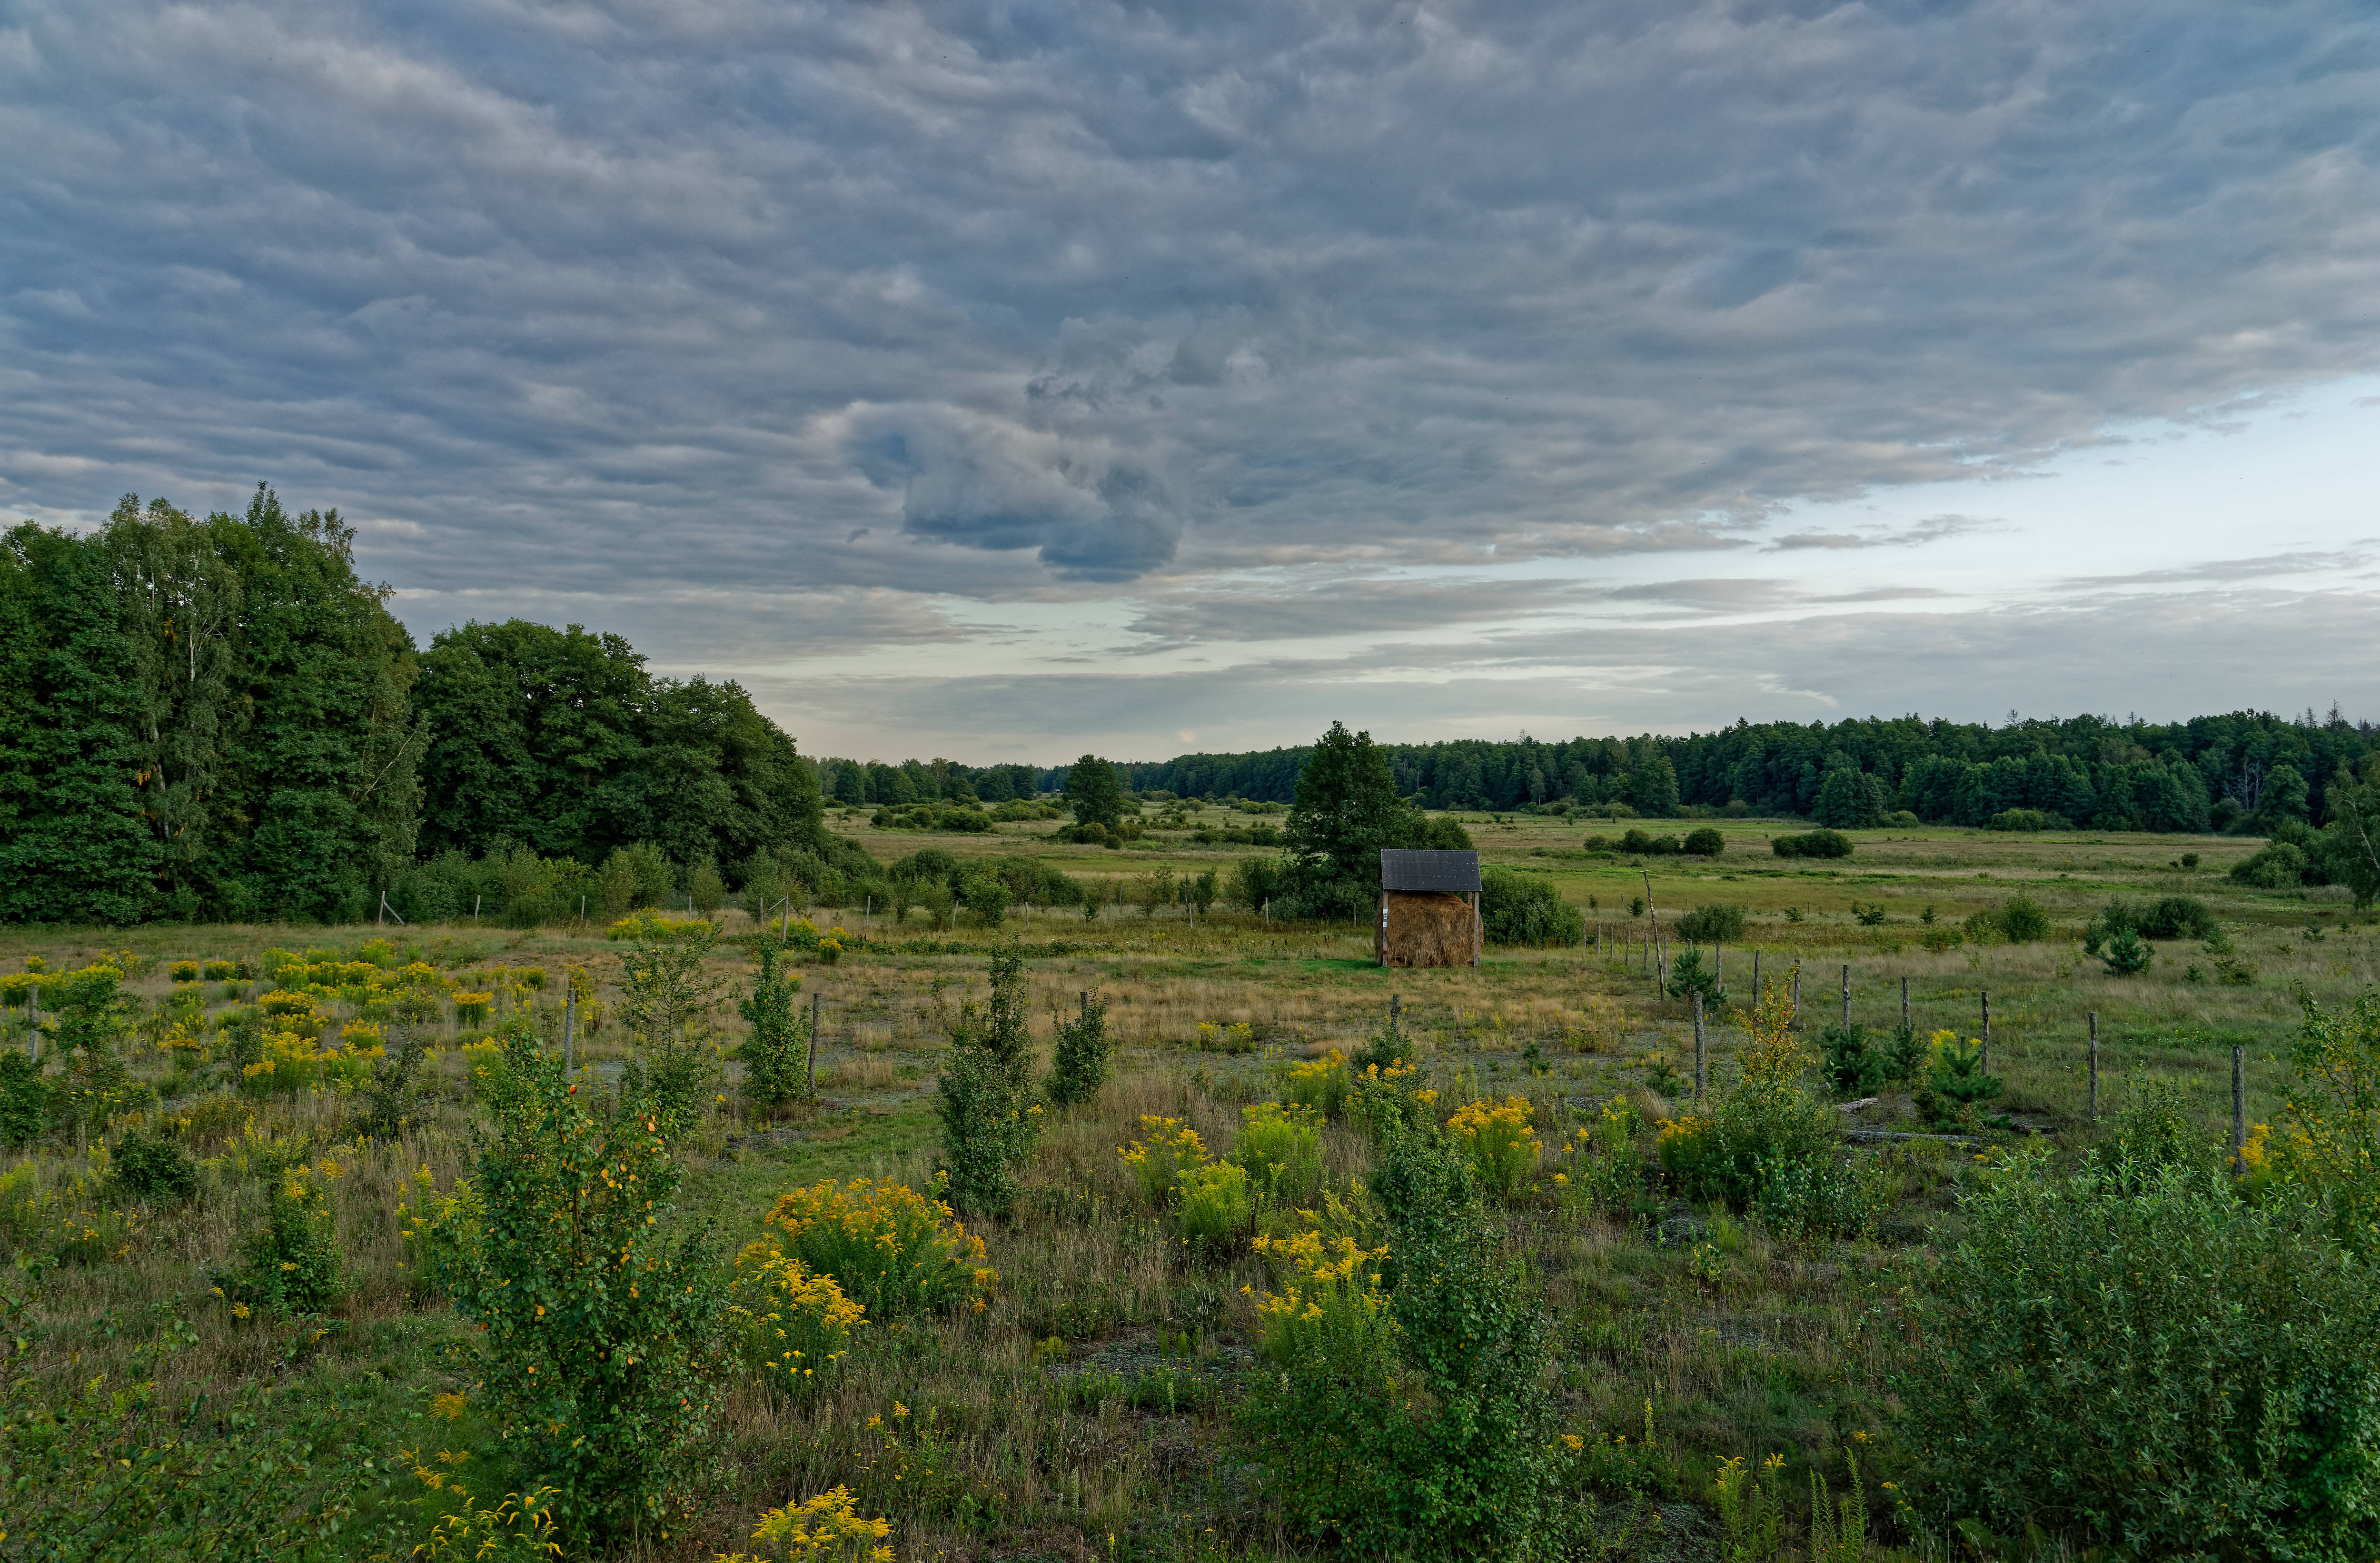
(1331, 1297)
(895, 1249)
(1320, 1083)
(1503, 1150)
(1238, 1037)
(1775, 1054)
(795, 1321)
(1166, 1149)
(820, 1528)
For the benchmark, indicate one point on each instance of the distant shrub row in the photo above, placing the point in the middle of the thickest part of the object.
(1812, 844)
(1703, 843)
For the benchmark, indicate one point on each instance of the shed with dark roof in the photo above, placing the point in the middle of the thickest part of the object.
(1429, 908)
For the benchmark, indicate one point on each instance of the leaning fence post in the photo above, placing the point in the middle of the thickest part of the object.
(2095, 1066)
(814, 1031)
(1904, 1003)
(2239, 1110)
(1847, 996)
(1756, 973)
(1698, 1044)
(1796, 1019)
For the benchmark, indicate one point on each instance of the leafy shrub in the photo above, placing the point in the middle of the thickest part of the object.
(1954, 1083)
(1721, 923)
(1219, 1202)
(2126, 954)
(1389, 1101)
(602, 1323)
(1502, 1149)
(291, 1264)
(1166, 1149)
(2021, 920)
(1320, 1083)
(2169, 917)
(1420, 1428)
(154, 1169)
(28, 1100)
(2279, 865)
(1281, 1149)
(1521, 909)
(989, 1127)
(2028, 820)
(1704, 843)
(1812, 844)
(895, 1251)
(776, 1048)
(792, 1323)
(2131, 1357)
(1849, 1064)
(2330, 1142)
(824, 1529)
(1078, 1064)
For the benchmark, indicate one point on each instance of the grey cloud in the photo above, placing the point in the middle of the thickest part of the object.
(1720, 595)
(1041, 300)
(1334, 606)
(1931, 530)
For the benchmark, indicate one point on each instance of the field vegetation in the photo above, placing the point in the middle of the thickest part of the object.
(1150, 1229)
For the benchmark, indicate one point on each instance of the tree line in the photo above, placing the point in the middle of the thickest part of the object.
(2244, 771)
(218, 719)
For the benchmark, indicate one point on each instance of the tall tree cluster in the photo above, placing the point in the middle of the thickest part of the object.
(201, 717)
(218, 719)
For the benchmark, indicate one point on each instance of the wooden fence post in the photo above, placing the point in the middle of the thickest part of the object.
(1983, 1053)
(1756, 974)
(1698, 1044)
(814, 1031)
(569, 1020)
(2239, 1110)
(1796, 1016)
(1847, 996)
(2095, 1066)
(1904, 1002)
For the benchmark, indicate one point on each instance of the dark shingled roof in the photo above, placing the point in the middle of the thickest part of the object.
(1409, 868)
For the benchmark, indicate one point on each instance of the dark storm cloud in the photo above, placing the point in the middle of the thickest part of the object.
(704, 301)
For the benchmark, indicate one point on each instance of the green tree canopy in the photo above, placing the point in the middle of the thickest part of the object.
(1095, 792)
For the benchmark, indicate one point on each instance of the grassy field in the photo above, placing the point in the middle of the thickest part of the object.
(1085, 1413)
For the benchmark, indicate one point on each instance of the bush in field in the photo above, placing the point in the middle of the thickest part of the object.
(1689, 975)
(1078, 1064)
(1281, 1149)
(2280, 865)
(897, 1252)
(602, 1327)
(2027, 820)
(1320, 1083)
(1219, 1203)
(1520, 909)
(291, 1264)
(1414, 1423)
(26, 1099)
(151, 1168)
(2127, 955)
(1766, 1145)
(1502, 1149)
(1955, 1083)
(2132, 1358)
(1721, 923)
(2169, 917)
(989, 1127)
(1852, 1064)
(1704, 843)
(1165, 1150)
(666, 997)
(1812, 844)
(2329, 1144)
(776, 1048)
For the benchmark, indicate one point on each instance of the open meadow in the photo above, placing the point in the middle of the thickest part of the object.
(1090, 1402)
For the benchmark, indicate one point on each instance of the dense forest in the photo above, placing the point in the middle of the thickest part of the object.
(2248, 770)
(218, 719)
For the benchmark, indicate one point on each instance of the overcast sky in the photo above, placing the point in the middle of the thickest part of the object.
(1008, 380)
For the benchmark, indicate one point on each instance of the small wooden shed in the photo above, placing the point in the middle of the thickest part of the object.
(1429, 908)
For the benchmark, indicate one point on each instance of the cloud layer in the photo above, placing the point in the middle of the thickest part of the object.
(790, 329)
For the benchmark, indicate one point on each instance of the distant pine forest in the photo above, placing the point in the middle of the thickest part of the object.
(218, 720)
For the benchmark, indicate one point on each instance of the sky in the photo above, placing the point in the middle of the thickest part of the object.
(1009, 381)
